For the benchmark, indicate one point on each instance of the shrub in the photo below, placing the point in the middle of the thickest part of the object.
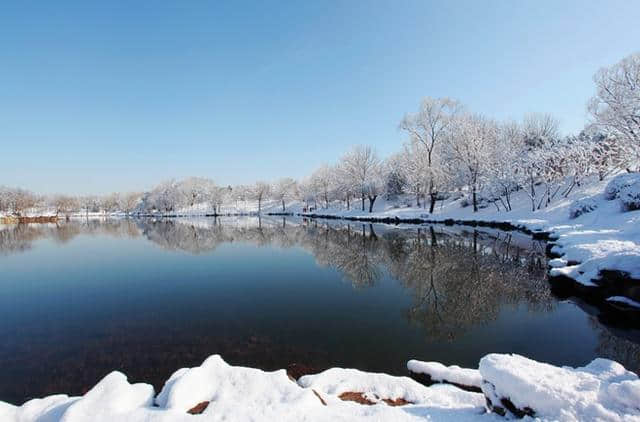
(582, 206)
(630, 196)
(618, 183)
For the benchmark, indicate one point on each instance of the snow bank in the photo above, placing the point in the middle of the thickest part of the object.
(449, 374)
(602, 390)
(225, 386)
(618, 183)
(624, 300)
(630, 196)
(377, 386)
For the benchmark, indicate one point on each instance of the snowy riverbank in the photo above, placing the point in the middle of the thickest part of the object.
(511, 385)
(605, 239)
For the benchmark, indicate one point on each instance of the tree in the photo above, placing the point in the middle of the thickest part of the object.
(322, 180)
(415, 169)
(20, 200)
(130, 201)
(194, 190)
(428, 128)
(283, 189)
(111, 203)
(539, 129)
(260, 192)
(63, 204)
(361, 168)
(470, 146)
(616, 105)
(90, 203)
(503, 165)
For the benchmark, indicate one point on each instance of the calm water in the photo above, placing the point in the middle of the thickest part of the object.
(146, 297)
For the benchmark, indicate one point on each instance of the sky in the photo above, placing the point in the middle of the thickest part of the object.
(119, 96)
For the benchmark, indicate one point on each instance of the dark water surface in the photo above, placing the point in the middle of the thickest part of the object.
(81, 299)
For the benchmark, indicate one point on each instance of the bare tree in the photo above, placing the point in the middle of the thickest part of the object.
(616, 105)
(470, 147)
(361, 167)
(428, 128)
(284, 189)
(261, 191)
(130, 201)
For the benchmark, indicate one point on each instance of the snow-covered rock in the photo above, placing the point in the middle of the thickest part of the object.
(618, 183)
(602, 390)
(449, 374)
(582, 206)
(377, 386)
(225, 386)
(630, 196)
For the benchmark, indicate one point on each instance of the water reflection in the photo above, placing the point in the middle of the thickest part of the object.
(411, 292)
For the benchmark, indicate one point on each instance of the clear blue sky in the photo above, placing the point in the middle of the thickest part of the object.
(101, 96)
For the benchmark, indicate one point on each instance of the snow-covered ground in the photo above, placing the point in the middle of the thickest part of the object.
(607, 238)
(513, 385)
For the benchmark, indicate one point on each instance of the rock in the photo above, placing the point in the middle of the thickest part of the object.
(297, 370)
(198, 408)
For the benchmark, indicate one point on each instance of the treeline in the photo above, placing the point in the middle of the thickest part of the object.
(449, 151)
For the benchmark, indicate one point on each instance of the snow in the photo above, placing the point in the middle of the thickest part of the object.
(630, 196)
(267, 393)
(336, 381)
(604, 239)
(625, 300)
(618, 183)
(450, 374)
(602, 390)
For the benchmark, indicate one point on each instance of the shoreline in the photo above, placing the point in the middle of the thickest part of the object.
(502, 387)
(613, 291)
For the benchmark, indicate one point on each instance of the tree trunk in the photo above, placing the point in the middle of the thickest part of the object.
(418, 199)
(434, 198)
(259, 205)
(283, 205)
(362, 202)
(475, 200)
(372, 199)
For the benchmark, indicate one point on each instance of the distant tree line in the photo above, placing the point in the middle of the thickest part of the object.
(449, 151)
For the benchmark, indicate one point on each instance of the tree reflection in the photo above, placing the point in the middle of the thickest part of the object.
(455, 279)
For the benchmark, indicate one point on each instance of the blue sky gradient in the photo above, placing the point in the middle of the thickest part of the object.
(103, 96)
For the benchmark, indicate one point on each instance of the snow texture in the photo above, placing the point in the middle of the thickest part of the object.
(449, 374)
(603, 390)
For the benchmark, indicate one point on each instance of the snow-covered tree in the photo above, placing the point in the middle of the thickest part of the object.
(539, 129)
(470, 146)
(616, 105)
(322, 180)
(362, 169)
(283, 190)
(415, 169)
(427, 129)
(261, 192)
(130, 201)
(194, 190)
(503, 163)
(63, 204)
(110, 203)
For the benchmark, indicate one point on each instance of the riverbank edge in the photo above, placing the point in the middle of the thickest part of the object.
(611, 283)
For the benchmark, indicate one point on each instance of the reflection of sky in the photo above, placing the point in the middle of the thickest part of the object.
(74, 291)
